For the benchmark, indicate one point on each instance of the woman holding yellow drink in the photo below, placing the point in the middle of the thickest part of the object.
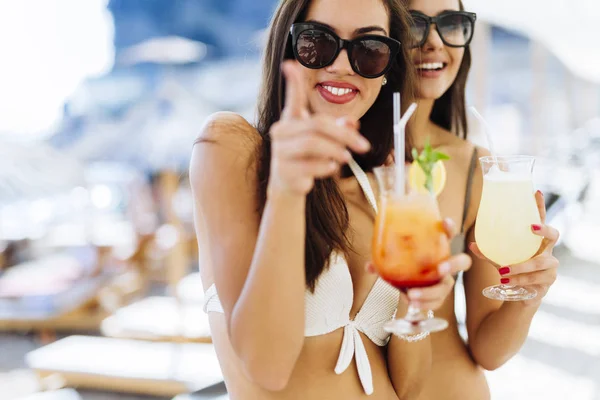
(510, 243)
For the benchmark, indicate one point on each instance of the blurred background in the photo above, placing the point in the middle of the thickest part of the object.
(100, 102)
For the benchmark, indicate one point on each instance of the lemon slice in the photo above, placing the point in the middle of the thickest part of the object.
(416, 177)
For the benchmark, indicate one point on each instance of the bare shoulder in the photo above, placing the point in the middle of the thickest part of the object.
(459, 150)
(228, 128)
(226, 140)
(224, 161)
(463, 149)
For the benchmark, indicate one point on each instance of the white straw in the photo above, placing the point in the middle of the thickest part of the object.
(399, 134)
(398, 147)
(486, 130)
(408, 114)
(401, 152)
(397, 109)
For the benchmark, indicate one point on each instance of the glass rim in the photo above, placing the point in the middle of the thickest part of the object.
(504, 159)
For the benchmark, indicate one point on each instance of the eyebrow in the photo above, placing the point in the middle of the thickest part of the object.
(359, 31)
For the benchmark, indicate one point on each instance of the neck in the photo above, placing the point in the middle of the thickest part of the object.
(420, 125)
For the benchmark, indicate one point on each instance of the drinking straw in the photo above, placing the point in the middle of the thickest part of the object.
(486, 130)
(399, 141)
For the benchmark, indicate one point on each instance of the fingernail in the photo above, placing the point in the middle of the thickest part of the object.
(504, 281)
(504, 270)
(536, 227)
(415, 294)
(540, 192)
(444, 268)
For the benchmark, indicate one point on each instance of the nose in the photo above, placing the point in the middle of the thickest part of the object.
(341, 65)
(434, 41)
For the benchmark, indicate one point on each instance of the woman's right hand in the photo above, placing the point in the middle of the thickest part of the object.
(306, 147)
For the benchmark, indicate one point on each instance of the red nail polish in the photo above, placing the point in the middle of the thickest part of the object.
(504, 270)
(536, 227)
(504, 281)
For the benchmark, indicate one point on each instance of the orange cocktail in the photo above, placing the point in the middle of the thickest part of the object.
(409, 241)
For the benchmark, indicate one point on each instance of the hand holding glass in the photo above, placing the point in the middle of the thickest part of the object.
(506, 213)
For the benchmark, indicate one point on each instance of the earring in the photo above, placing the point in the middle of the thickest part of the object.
(384, 82)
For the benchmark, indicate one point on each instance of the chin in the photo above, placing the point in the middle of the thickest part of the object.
(336, 110)
(432, 93)
(429, 96)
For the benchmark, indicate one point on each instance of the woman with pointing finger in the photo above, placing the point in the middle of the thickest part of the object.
(284, 216)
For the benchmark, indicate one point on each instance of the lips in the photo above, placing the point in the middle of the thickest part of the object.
(337, 92)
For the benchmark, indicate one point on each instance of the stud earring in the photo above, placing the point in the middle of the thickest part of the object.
(384, 82)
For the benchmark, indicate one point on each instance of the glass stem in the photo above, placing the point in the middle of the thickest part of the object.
(414, 314)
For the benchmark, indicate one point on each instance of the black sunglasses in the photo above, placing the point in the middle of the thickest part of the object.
(316, 46)
(454, 27)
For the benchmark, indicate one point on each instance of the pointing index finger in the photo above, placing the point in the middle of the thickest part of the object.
(296, 99)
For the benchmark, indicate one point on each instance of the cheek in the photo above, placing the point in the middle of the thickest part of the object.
(456, 56)
(310, 77)
(373, 90)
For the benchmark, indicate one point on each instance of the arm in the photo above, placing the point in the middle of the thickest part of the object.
(408, 382)
(258, 263)
(408, 377)
(498, 330)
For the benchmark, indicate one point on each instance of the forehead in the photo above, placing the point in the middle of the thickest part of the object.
(348, 15)
(434, 7)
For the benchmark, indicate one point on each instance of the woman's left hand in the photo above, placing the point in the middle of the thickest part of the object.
(540, 271)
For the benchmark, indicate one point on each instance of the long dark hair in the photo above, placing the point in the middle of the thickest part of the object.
(450, 110)
(327, 221)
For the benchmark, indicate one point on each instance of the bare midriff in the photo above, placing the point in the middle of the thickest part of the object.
(313, 377)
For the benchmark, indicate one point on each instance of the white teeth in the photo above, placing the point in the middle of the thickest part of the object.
(431, 66)
(337, 91)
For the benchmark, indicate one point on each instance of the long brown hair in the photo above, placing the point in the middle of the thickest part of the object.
(327, 221)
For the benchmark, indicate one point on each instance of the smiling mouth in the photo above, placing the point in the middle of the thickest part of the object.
(340, 93)
(435, 66)
(337, 91)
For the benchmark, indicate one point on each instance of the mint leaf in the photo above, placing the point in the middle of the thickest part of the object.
(426, 161)
(437, 156)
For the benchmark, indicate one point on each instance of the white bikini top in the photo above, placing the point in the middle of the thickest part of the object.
(328, 308)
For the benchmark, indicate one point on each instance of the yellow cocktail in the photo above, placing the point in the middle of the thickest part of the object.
(506, 212)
